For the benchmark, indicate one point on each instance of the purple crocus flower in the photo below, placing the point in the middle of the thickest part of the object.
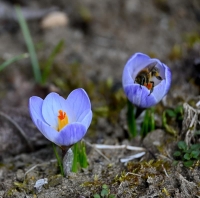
(142, 86)
(62, 121)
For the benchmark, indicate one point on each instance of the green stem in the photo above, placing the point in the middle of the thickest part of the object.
(75, 160)
(58, 159)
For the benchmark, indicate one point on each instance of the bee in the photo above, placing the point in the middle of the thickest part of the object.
(145, 76)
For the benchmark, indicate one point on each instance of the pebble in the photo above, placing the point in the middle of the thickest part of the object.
(54, 19)
(154, 139)
(39, 183)
(20, 175)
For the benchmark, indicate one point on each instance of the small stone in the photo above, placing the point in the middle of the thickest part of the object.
(54, 19)
(155, 139)
(20, 175)
(39, 183)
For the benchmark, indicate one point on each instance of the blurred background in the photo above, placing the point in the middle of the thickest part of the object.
(99, 37)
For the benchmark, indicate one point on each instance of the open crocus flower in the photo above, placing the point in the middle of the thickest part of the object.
(62, 121)
(145, 80)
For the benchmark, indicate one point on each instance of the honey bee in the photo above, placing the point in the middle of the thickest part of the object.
(145, 76)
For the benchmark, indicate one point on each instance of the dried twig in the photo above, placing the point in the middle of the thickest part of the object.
(98, 151)
(165, 171)
(37, 165)
(190, 122)
(129, 158)
(133, 148)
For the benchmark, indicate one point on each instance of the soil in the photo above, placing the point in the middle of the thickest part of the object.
(99, 38)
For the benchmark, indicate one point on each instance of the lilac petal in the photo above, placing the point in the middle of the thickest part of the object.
(79, 102)
(159, 91)
(139, 96)
(50, 108)
(163, 87)
(71, 134)
(168, 77)
(86, 118)
(50, 133)
(35, 108)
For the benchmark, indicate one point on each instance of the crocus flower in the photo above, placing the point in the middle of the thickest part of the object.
(145, 94)
(62, 121)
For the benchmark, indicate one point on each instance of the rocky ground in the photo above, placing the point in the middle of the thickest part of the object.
(99, 37)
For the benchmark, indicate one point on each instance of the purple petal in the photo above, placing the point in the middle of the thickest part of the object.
(168, 77)
(35, 108)
(50, 133)
(85, 118)
(163, 87)
(71, 134)
(51, 106)
(139, 96)
(79, 102)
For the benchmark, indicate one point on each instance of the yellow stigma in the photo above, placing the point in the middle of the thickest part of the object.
(62, 119)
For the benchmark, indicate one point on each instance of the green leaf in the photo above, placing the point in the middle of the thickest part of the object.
(179, 109)
(146, 123)
(82, 155)
(174, 163)
(168, 128)
(171, 113)
(97, 196)
(60, 164)
(105, 186)
(104, 192)
(111, 196)
(182, 145)
(49, 62)
(187, 156)
(188, 163)
(194, 154)
(177, 154)
(195, 147)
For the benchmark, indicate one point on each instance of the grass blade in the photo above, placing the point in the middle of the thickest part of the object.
(29, 43)
(12, 60)
(49, 62)
(58, 159)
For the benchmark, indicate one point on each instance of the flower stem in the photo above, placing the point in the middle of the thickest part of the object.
(75, 160)
(58, 159)
(131, 119)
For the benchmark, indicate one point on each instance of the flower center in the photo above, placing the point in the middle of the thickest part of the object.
(62, 119)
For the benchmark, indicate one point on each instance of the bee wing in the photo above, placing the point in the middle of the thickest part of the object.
(151, 66)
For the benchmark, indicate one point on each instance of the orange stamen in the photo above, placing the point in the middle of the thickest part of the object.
(62, 119)
(148, 85)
